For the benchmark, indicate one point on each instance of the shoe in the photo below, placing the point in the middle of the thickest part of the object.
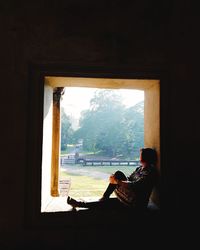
(72, 202)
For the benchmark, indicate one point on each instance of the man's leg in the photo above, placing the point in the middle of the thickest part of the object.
(104, 202)
(119, 175)
(113, 203)
(108, 192)
(111, 187)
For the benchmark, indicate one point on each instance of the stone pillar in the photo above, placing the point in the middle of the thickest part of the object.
(57, 93)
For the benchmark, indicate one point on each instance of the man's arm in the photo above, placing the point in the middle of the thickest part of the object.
(147, 176)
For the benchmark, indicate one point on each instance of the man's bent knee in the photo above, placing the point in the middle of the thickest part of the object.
(119, 175)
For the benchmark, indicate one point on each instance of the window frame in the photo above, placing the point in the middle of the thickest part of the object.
(37, 74)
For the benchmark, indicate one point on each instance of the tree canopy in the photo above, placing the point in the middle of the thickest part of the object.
(108, 126)
(66, 130)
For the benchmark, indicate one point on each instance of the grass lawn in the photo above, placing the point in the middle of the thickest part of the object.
(90, 181)
(84, 186)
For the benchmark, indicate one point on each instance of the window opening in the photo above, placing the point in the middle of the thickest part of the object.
(54, 178)
(102, 131)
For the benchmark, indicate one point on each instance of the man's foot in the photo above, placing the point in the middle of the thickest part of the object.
(72, 202)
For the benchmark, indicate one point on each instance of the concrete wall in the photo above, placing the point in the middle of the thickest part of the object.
(152, 121)
(110, 35)
(47, 146)
(152, 118)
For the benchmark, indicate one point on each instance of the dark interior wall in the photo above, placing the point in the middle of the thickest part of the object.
(146, 34)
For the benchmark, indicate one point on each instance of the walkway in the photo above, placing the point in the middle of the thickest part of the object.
(59, 204)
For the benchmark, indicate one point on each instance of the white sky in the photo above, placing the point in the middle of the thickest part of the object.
(77, 99)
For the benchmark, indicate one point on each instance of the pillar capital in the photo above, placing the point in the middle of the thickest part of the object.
(57, 93)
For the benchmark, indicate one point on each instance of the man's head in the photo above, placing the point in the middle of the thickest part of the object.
(148, 155)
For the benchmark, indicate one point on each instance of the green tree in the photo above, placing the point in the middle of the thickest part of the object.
(66, 130)
(134, 119)
(111, 128)
(97, 124)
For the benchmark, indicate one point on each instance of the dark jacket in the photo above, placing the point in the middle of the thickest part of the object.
(139, 189)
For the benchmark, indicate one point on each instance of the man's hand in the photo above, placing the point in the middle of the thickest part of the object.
(113, 180)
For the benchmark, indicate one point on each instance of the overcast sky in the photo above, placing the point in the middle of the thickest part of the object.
(77, 99)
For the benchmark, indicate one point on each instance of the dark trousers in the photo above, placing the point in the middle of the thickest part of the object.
(107, 202)
(111, 187)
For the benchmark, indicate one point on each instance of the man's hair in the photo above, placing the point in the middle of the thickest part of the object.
(149, 155)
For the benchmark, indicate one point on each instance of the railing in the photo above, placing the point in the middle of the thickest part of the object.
(95, 162)
(64, 160)
(98, 162)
